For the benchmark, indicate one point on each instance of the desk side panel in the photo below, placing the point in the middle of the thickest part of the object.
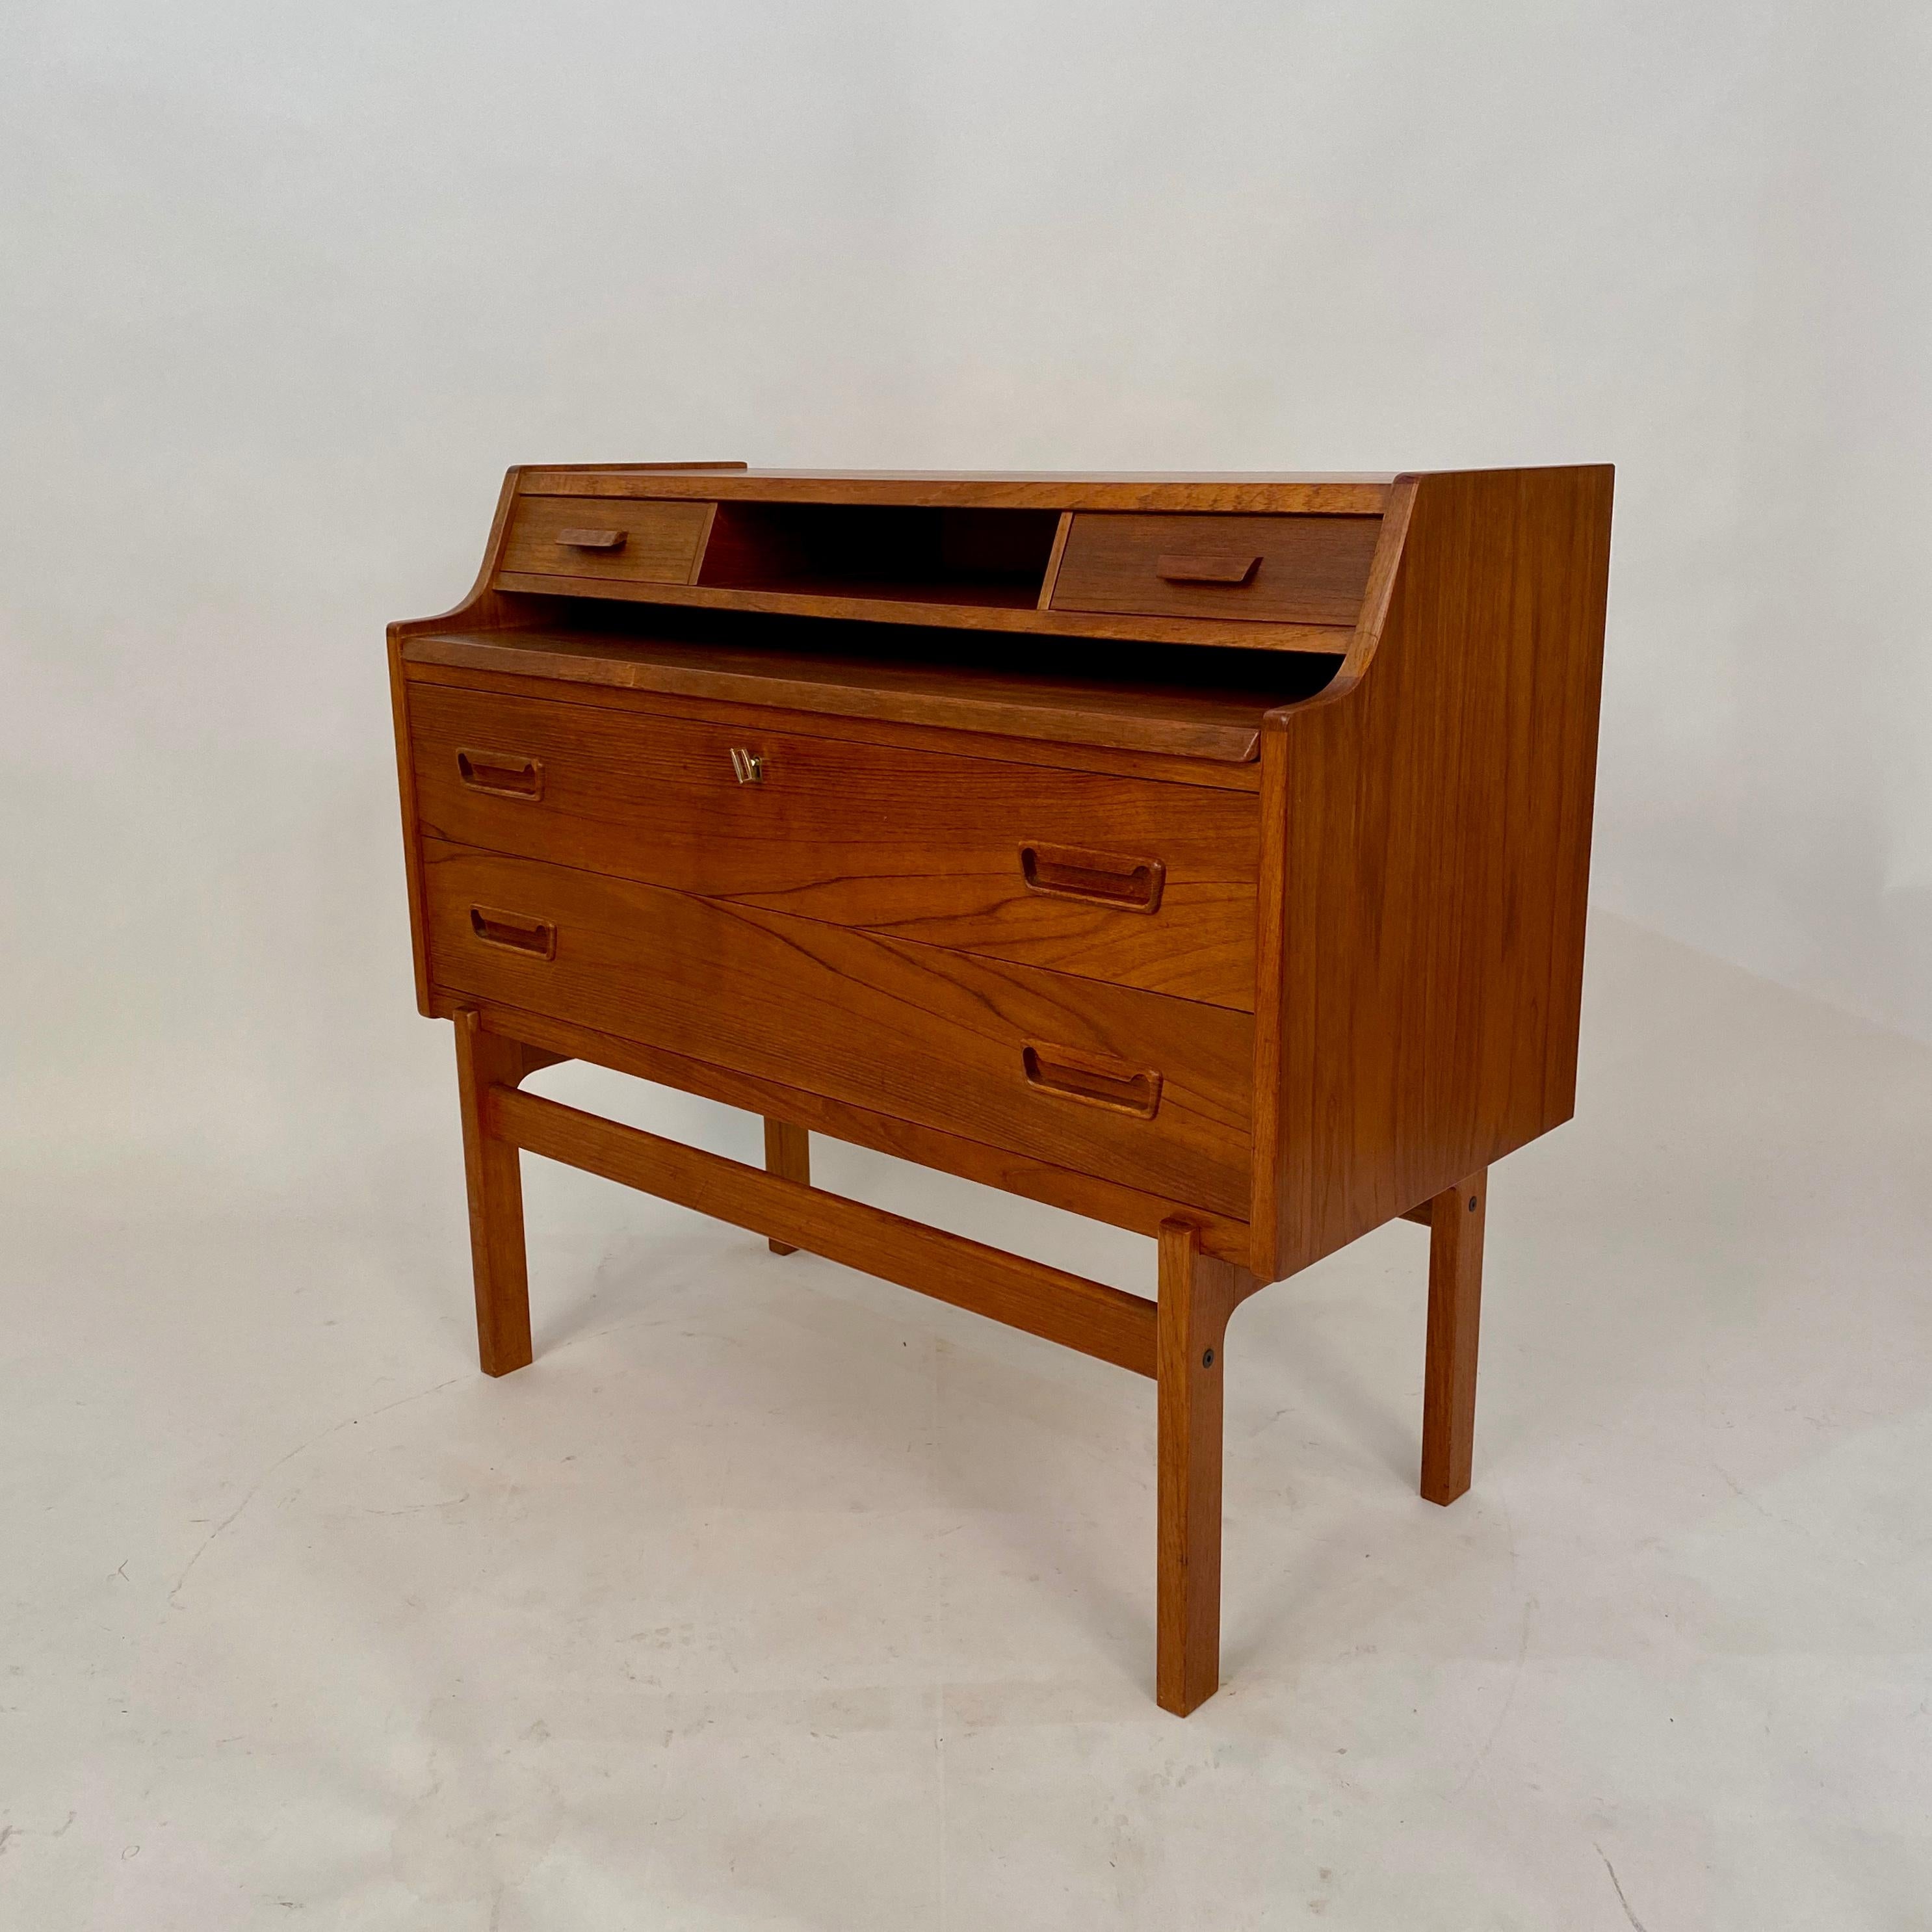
(1430, 820)
(399, 706)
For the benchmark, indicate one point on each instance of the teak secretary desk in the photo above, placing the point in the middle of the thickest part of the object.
(1206, 855)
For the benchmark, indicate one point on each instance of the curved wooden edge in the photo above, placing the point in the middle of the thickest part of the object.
(1384, 567)
(1425, 861)
(481, 607)
(1366, 639)
(406, 790)
(484, 608)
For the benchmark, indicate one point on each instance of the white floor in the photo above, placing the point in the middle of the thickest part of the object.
(775, 1597)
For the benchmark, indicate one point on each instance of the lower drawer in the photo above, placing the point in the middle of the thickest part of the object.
(1146, 1091)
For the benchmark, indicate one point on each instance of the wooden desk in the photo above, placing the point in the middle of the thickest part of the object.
(1205, 855)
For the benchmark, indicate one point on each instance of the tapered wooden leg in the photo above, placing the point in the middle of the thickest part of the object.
(1198, 1293)
(788, 1154)
(1456, 1218)
(484, 1060)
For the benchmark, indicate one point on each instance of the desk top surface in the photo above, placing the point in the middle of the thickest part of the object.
(1364, 494)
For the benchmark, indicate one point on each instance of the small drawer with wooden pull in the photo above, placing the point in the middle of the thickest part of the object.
(515, 932)
(501, 774)
(635, 541)
(1128, 880)
(1092, 1079)
(1093, 878)
(1292, 569)
(1150, 1092)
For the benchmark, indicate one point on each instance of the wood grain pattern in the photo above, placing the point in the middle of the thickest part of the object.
(1425, 828)
(484, 606)
(1096, 1197)
(1065, 1308)
(490, 609)
(1308, 570)
(987, 906)
(919, 1031)
(921, 845)
(642, 469)
(1026, 619)
(483, 655)
(485, 1059)
(1219, 724)
(1455, 1313)
(787, 1154)
(1044, 601)
(1285, 492)
(637, 542)
(1197, 1294)
(406, 785)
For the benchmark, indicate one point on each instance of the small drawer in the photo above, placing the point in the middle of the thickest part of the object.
(1149, 1092)
(631, 541)
(1128, 880)
(1283, 570)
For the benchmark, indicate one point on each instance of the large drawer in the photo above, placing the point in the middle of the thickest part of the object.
(1146, 1091)
(1301, 570)
(1132, 880)
(602, 536)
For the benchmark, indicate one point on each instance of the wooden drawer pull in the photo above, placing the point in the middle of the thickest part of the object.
(1102, 878)
(591, 539)
(1206, 569)
(502, 773)
(515, 930)
(1069, 1074)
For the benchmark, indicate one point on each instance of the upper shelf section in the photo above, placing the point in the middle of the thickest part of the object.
(1275, 563)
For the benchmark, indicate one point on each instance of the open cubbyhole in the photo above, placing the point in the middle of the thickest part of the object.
(991, 557)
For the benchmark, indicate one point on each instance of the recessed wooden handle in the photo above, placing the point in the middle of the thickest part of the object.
(1070, 1074)
(1101, 878)
(515, 930)
(1206, 569)
(501, 773)
(591, 539)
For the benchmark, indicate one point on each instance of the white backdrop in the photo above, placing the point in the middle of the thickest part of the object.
(285, 289)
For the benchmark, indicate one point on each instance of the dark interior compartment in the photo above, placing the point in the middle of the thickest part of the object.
(992, 557)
